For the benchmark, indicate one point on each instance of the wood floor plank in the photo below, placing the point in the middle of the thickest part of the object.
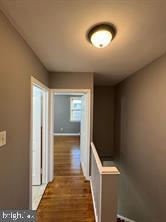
(68, 198)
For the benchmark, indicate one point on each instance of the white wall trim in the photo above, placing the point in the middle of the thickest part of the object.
(66, 134)
(38, 83)
(51, 136)
(126, 219)
(93, 200)
(70, 91)
(36, 203)
(46, 90)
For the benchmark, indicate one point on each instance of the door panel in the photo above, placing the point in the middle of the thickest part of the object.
(36, 136)
(85, 138)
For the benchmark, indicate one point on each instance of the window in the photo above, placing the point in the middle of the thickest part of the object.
(75, 109)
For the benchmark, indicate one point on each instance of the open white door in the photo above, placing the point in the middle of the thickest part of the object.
(85, 135)
(36, 136)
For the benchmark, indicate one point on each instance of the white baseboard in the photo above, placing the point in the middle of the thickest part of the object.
(93, 199)
(126, 219)
(66, 134)
(37, 198)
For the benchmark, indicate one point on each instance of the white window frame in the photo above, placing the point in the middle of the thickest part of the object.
(71, 98)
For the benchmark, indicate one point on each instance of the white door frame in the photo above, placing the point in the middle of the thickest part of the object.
(51, 136)
(45, 136)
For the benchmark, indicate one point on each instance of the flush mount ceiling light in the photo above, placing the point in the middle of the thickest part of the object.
(101, 35)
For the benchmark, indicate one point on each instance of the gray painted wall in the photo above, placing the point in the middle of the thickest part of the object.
(62, 115)
(69, 80)
(17, 64)
(140, 142)
(103, 125)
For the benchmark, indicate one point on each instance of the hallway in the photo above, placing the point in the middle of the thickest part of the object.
(68, 197)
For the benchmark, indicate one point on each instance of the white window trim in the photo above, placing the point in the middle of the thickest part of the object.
(71, 120)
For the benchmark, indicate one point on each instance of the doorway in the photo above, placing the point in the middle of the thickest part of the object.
(67, 124)
(84, 132)
(39, 142)
(68, 195)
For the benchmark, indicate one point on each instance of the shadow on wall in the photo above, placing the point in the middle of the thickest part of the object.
(103, 125)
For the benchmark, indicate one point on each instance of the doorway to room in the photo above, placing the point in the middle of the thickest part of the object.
(70, 118)
(39, 142)
(67, 126)
(68, 195)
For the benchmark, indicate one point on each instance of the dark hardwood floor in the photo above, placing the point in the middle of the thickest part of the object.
(68, 197)
(67, 156)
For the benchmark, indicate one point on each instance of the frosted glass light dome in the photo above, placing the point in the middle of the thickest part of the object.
(101, 39)
(101, 35)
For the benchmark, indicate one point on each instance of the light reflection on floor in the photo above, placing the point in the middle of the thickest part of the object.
(75, 162)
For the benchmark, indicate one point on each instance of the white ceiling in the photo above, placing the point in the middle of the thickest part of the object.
(56, 31)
